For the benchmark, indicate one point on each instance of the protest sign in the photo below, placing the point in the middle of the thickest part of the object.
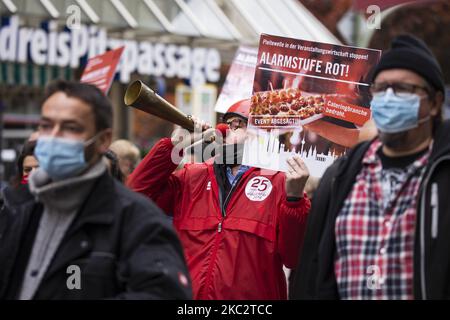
(239, 81)
(310, 99)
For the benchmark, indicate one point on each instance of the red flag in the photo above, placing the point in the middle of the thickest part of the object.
(100, 69)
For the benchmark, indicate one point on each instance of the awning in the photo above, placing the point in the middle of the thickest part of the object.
(234, 21)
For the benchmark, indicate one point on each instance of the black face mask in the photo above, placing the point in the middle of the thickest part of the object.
(230, 154)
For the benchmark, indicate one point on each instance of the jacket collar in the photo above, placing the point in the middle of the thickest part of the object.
(98, 208)
(441, 139)
(16, 196)
(65, 195)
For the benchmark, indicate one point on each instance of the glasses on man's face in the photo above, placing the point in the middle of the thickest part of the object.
(399, 88)
(236, 123)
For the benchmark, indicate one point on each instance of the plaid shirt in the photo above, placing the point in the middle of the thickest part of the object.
(375, 231)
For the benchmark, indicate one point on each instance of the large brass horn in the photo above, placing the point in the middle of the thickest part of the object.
(141, 97)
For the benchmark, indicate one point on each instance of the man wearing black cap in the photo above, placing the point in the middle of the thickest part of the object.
(380, 221)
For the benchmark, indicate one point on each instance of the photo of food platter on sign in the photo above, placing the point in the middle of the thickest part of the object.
(309, 98)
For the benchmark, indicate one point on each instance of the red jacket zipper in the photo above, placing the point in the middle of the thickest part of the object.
(205, 290)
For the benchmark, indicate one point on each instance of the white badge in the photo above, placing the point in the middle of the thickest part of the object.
(258, 188)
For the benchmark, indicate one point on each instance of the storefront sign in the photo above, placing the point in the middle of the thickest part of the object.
(67, 48)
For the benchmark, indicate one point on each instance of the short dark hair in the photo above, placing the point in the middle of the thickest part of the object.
(91, 95)
(27, 150)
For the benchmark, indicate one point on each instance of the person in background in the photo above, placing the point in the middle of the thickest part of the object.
(26, 162)
(128, 155)
(86, 236)
(238, 224)
(18, 193)
(380, 220)
(113, 165)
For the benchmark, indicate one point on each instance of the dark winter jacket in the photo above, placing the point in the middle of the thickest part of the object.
(122, 243)
(315, 275)
(14, 197)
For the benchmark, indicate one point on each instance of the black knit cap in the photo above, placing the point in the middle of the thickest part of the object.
(409, 52)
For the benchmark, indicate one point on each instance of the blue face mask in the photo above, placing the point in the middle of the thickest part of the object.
(393, 114)
(61, 158)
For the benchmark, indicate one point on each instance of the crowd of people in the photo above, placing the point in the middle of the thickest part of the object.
(86, 218)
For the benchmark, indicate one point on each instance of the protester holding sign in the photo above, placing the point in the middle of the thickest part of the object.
(239, 225)
(380, 220)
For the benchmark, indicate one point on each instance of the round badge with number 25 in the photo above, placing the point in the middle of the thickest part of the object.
(258, 188)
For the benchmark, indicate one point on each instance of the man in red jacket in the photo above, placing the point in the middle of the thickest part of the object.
(238, 225)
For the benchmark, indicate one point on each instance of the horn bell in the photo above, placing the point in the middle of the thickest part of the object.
(141, 97)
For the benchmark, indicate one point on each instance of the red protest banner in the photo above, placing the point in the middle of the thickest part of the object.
(310, 99)
(100, 69)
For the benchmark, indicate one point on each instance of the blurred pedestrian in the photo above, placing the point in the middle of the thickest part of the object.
(128, 155)
(18, 193)
(380, 220)
(239, 225)
(88, 236)
(113, 165)
(26, 163)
